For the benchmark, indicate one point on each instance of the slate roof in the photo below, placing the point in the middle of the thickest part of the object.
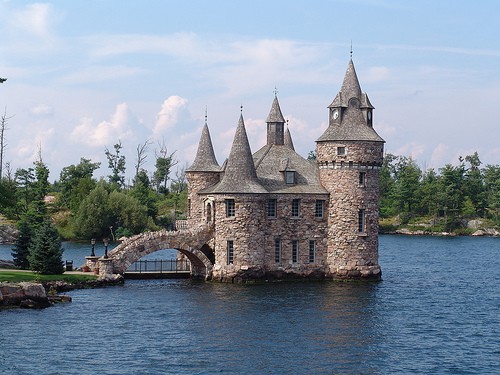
(288, 139)
(275, 114)
(353, 125)
(352, 128)
(205, 160)
(271, 161)
(239, 175)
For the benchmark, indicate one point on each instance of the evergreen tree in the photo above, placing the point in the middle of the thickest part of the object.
(20, 251)
(46, 251)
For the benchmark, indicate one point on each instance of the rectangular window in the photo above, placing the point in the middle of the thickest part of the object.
(290, 177)
(312, 251)
(340, 150)
(277, 250)
(230, 208)
(271, 208)
(362, 178)
(230, 252)
(295, 207)
(295, 251)
(319, 209)
(361, 220)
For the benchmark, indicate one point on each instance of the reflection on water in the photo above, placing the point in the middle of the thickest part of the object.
(431, 314)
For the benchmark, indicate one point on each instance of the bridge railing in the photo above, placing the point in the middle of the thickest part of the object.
(160, 266)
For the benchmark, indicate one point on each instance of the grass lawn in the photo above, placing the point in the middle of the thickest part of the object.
(18, 276)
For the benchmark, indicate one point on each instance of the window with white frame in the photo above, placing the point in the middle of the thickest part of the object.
(271, 208)
(230, 208)
(312, 251)
(319, 209)
(277, 250)
(361, 220)
(290, 177)
(230, 252)
(295, 251)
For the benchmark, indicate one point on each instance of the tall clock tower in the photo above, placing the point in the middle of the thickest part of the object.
(350, 155)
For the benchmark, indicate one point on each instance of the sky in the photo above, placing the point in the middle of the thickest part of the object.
(84, 75)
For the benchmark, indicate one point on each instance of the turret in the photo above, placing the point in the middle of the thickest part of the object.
(204, 172)
(275, 124)
(349, 155)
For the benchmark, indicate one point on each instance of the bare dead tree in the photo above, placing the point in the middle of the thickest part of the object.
(3, 144)
(164, 163)
(141, 157)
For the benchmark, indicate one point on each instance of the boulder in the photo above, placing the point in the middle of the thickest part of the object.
(26, 295)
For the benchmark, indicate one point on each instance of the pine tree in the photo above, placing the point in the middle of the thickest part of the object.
(46, 251)
(20, 251)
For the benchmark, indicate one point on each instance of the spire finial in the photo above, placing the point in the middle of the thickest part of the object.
(275, 91)
(287, 123)
(241, 108)
(351, 48)
(206, 115)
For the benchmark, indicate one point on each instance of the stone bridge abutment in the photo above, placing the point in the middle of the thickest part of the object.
(192, 242)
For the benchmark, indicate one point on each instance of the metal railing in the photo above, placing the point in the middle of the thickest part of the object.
(160, 266)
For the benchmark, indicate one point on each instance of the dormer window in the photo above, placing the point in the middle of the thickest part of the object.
(290, 177)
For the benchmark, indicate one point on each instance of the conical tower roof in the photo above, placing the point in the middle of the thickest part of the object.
(350, 88)
(352, 126)
(288, 139)
(239, 175)
(205, 160)
(275, 114)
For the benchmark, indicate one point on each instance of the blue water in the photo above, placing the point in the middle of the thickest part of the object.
(435, 312)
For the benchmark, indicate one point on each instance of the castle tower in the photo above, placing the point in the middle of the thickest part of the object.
(349, 156)
(275, 124)
(238, 214)
(204, 172)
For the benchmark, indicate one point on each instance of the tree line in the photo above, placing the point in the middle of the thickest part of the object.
(447, 197)
(78, 206)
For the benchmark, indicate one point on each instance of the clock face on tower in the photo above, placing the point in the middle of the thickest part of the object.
(335, 114)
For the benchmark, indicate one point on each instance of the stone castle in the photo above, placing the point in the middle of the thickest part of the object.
(277, 215)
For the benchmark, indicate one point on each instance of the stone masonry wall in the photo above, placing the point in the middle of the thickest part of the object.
(303, 228)
(245, 230)
(253, 234)
(196, 182)
(352, 253)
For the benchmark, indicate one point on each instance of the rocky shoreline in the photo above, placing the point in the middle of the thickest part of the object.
(41, 295)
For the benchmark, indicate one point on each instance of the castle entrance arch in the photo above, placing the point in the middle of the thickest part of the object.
(193, 243)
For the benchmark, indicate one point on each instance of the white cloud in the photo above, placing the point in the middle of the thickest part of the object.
(34, 19)
(439, 155)
(412, 149)
(42, 110)
(169, 114)
(119, 127)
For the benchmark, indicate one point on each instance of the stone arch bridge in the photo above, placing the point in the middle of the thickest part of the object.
(194, 243)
